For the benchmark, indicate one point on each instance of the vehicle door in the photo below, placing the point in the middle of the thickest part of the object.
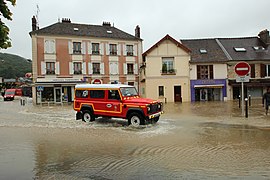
(113, 106)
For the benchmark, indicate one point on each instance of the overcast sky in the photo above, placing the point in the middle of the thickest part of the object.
(181, 19)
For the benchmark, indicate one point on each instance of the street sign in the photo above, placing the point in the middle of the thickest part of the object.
(242, 78)
(242, 68)
(40, 88)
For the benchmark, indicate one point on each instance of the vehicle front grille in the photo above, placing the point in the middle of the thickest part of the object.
(154, 108)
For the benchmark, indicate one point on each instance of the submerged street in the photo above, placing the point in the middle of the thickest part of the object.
(202, 140)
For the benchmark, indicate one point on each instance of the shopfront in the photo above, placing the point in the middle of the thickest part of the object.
(208, 90)
(54, 91)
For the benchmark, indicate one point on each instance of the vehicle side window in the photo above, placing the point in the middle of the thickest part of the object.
(81, 94)
(114, 94)
(97, 94)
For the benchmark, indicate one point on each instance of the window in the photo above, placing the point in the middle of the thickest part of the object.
(96, 68)
(113, 49)
(204, 71)
(131, 83)
(240, 49)
(49, 46)
(203, 51)
(114, 94)
(160, 90)
(129, 50)
(81, 94)
(130, 68)
(100, 94)
(77, 67)
(50, 68)
(95, 48)
(167, 66)
(267, 70)
(77, 48)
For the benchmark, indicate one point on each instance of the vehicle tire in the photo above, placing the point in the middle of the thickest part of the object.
(155, 120)
(87, 116)
(135, 119)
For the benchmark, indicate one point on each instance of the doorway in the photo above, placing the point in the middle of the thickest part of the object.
(58, 95)
(177, 94)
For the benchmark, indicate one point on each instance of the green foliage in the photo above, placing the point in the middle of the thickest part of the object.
(5, 41)
(13, 66)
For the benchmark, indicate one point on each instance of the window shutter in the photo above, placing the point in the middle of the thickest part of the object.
(101, 68)
(211, 72)
(90, 69)
(57, 68)
(46, 46)
(136, 68)
(71, 71)
(263, 70)
(83, 48)
(252, 71)
(83, 68)
(135, 50)
(53, 46)
(101, 48)
(111, 68)
(116, 68)
(125, 68)
(70, 47)
(119, 49)
(107, 49)
(43, 68)
(124, 49)
(89, 48)
(198, 72)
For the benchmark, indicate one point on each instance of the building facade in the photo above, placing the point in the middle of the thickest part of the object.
(65, 54)
(165, 72)
(208, 70)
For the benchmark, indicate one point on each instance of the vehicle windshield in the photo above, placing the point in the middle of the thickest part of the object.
(129, 91)
(9, 92)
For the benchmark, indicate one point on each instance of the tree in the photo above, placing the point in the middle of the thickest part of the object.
(5, 41)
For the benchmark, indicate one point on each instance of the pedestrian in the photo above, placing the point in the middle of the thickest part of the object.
(266, 100)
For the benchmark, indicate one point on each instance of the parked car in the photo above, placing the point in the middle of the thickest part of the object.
(10, 94)
(115, 100)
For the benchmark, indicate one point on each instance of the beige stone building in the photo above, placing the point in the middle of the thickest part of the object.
(165, 72)
(65, 54)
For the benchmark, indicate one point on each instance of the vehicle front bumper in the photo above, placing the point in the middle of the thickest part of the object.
(155, 115)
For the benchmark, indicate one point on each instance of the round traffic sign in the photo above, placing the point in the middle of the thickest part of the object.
(242, 68)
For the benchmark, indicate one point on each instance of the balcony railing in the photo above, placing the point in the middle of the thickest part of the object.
(168, 71)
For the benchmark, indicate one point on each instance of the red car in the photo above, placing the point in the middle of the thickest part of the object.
(115, 100)
(11, 93)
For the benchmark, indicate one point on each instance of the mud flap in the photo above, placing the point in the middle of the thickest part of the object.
(78, 115)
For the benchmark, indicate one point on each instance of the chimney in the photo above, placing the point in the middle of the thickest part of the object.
(66, 20)
(34, 23)
(264, 37)
(106, 24)
(137, 32)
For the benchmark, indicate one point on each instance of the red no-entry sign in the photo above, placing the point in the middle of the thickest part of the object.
(242, 68)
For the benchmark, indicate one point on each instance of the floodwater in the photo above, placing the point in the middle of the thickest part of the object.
(204, 140)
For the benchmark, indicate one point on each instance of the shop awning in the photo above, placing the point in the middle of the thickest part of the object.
(209, 86)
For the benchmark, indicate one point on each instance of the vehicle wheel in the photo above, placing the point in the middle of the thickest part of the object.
(135, 119)
(155, 120)
(88, 116)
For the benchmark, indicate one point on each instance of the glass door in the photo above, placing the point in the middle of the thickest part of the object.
(58, 95)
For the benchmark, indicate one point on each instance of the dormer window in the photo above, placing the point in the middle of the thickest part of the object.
(258, 48)
(240, 49)
(203, 51)
(109, 32)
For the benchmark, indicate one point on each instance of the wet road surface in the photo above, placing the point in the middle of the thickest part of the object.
(206, 140)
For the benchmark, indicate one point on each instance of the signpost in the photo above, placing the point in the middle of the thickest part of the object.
(242, 69)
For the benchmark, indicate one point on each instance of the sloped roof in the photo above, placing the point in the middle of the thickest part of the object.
(167, 37)
(214, 52)
(73, 29)
(248, 43)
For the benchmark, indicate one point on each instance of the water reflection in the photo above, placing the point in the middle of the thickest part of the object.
(191, 141)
